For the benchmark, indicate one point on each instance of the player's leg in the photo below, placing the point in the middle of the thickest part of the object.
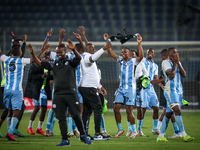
(3, 117)
(154, 103)
(16, 132)
(52, 125)
(176, 129)
(43, 107)
(165, 124)
(161, 118)
(59, 106)
(49, 122)
(16, 104)
(69, 122)
(33, 115)
(141, 103)
(75, 113)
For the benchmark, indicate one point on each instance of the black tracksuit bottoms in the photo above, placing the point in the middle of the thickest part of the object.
(60, 104)
(91, 102)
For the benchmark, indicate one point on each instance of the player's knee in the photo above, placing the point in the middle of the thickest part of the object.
(116, 110)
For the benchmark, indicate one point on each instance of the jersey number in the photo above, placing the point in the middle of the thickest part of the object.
(12, 67)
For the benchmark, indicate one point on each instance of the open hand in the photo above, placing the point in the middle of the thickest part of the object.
(82, 30)
(62, 33)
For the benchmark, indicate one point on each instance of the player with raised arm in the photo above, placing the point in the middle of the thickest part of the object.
(65, 94)
(3, 82)
(163, 102)
(173, 92)
(13, 92)
(139, 72)
(88, 87)
(126, 92)
(36, 79)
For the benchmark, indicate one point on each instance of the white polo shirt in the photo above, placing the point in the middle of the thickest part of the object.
(90, 75)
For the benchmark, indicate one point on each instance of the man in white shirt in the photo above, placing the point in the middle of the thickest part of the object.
(88, 87)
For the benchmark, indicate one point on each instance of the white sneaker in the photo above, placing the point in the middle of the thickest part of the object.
(175, 136)
(70, 134)
(128, 133)
(76, 133)
(106, 134)
(101, 137)
(133, 135)
(140, 133)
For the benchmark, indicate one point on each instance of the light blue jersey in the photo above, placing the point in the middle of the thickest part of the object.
(149, 98)
(173, 90)
(127, 88)
(13, 93)
(172, 84)
(126, 73)
(152, 70)
(14, 71)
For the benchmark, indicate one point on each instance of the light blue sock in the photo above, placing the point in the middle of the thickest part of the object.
(73, 124)
(13, 124)
(140, 124)
(176, 129)
(129, 126)
(133, 128)
(165, 124)
(69, 122)
(119, 125)
(52, 124)
(103, 127)
(8, 122)
(50, 118)
(179, 122)
(155, 124)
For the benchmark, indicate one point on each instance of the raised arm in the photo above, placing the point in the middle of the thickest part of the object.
(181, 69)
(81, 31)
(34, 58)
(109, 50)
(172, 72)
(46, 41)
(41, 54)
(61, 35)
(79, 39)
(24, 44)
(72, 47)
(139, 48)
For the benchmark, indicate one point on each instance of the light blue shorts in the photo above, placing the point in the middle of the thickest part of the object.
(173, 98)
(42, 99)
(150, 98)
(12, 99)
(125, 96)
(139, 100)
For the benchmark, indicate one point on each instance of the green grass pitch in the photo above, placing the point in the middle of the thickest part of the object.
(37, 142)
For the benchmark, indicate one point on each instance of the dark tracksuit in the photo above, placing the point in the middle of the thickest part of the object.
(65, 95)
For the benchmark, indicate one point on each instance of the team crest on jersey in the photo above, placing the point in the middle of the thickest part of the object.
(66, 63)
